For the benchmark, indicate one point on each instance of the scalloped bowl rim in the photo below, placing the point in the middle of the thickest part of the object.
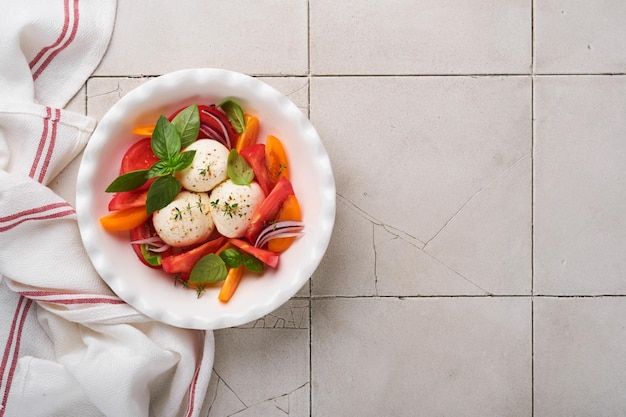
(151, 291)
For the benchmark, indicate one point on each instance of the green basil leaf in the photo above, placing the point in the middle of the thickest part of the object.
(129, 181)
(232, 258)
(160, 169)
(162, 192)
(234, 112)
(183, 160)
(208, 270)
(165, 139)
(238, 169)
(252, 263)
(187, 124)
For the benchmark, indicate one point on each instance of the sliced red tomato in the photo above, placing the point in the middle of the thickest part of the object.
(255, 157)
(139, 156)
(127, 199)
(268, 209)
(184, 262)
(267, 257)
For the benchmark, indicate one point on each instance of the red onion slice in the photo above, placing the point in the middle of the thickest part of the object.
(155, 244)
(279, 229)
(154, 240)
(211, 133)
(221, 125)
(158, 249)
(277, 235)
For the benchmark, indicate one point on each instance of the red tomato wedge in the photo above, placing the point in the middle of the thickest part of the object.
(184, 263)
(255, 157)
(127, 199)
(138, 156)
(267, 211)
(267, 257)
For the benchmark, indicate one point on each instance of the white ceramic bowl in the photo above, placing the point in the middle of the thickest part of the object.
(152, 292)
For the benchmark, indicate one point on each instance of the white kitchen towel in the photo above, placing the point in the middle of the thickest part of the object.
(68, 345)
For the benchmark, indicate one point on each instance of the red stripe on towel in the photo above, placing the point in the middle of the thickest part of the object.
(12, 350)
(84, 301)
(193, 386)
(66, 24)
(51, 144)
(35, 210)
(39, 213)
(42, 142)
(47, 217)
(192, 393)
(58, 49)
(70, 298)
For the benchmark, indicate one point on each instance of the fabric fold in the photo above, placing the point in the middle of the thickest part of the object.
(72, 347)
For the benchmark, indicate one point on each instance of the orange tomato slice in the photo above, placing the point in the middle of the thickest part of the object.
(276, 159)
(248, 136)
(143, 130)
(231, 283)
(290, 210)
(125, 219)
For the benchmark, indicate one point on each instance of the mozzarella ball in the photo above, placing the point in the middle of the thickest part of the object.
(208, 167)
(185, 221)
(232, 206)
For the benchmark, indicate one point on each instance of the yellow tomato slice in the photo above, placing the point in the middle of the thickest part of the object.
(143, 130)
(125, 219)
(276, 159)
(231, 283)
(248, 136)
(290, 210)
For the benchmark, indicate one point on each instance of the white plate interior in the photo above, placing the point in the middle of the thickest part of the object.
(152, 291)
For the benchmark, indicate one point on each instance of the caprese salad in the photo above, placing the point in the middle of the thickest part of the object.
(205, 200)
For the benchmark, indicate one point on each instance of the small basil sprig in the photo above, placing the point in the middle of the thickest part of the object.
(234, 259)
(213, 268)
(234, 113)
(208, 270)
(168, 138)
(128, 181)
(238, 169)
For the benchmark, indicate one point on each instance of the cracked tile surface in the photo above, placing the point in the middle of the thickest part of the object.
(247, 380)
(467, 357)
(476, 267)
(444, 179)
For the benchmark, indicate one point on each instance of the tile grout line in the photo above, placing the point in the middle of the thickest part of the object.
(442, 296)
(310, 297)
(309, 74)
(532, 207)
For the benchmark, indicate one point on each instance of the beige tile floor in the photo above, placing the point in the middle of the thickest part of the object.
(478, 263)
